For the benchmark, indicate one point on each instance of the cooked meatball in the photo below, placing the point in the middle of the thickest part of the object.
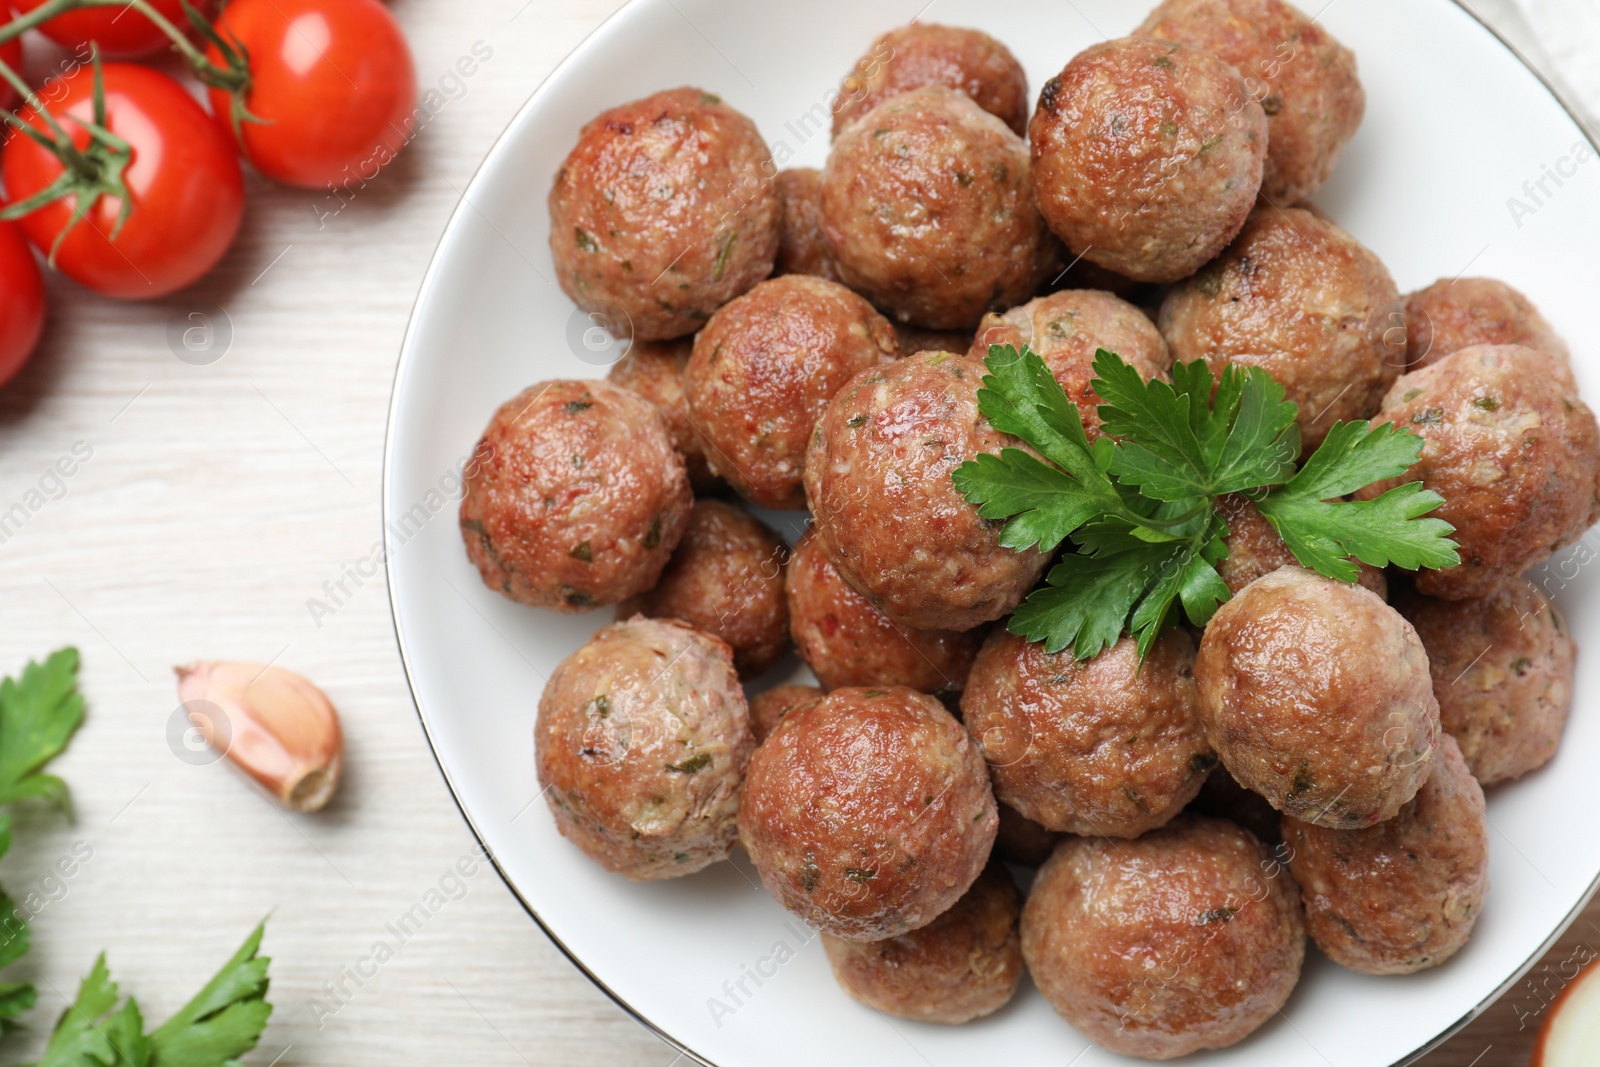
(1303, 300)
(1066, 329)
(654, 370)
(1147, 156)
(846, 641)
(926, 53)
(869, 813)
(641, 742)
(1403, 895)
(803, 249)
(768, 709)
(664, 211)
(1106, 747)
(1255, 549)
(1222, 797)
(1456, 313)
(725, 579)
(764, 368)
(1305, 80)
(1502, 672)
(914, 339)
(580, 497)
(965, 964)
(913, 189)
(1188, 938)
(1514, 453)
(887, 513)
(1022, 841)
(1316, 695)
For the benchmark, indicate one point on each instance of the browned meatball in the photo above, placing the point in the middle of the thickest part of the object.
(641, 743)
(579, 498)
(1306, 81)
(1502, 671)
(1021, 840)
(803, 249)
(1514, 453)
(1188, 938)
(1222, 797)
(1066, 329)
(910, 193)
(914, 339)
(869, 813)
(888, 514)
(725, 579)
(1255, 549)
(664, 211)
(926, 53)
(1303, 300)
(654, 370)
(764, 368)
(1107, 747)
(847, 641)
(1316, 695)
(1403, 895)
(965, 964)
(1147, 156)
(1456, 313)
(768, 709)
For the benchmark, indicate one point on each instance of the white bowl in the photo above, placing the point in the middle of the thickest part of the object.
(1434, 183)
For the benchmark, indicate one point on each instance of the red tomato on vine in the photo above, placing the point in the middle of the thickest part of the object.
(120, 33)
(21, 301)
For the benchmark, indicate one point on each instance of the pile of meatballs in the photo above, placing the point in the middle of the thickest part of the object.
(1312, 763)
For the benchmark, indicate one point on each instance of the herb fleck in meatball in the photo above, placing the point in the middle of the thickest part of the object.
(1147, 156)
(1403, 895)
(1316, 694)
(1255, 549)
(768, 709)
(926, 53)
(1514, 453)
(580, 497)
(1188, 938)
(654, 370)
(803, 249)
(641, 742)
(664, 211)
(764, 368)
(869, 813)
(1456, 313)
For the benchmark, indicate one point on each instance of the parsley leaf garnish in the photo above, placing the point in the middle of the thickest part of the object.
(1138, 507)
(38, 714)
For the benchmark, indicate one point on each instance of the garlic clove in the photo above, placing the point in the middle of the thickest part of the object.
(278, 727)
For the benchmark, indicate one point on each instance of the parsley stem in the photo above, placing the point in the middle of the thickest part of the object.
(1168, 524)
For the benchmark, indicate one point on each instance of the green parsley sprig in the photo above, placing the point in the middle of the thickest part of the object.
(1139, 507)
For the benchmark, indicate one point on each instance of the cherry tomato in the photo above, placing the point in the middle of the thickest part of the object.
(11, 52)
(333, 79)
(183, 180)
(120, 33)
(21, 301)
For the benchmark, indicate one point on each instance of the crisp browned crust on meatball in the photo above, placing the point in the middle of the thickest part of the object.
(1066, 329)
(1255, 549)
(1316, 694)
(1514, 453)
(1305, 80)
(1456, 313)
(1188, 938)
(725, 579)
(926, 53)
(1105, 747)
(768, 709)
(803, 249)
(764, 368)
(887, 513)
(869, 813)
(1303, 300)
(846, 641)
(654, 370)
(913, 190)
(1403, 895)
(1147, 156)
(1022, 841)
(965, 964)
(1502, 671)
(578, 499)
(641, 743)
(664, 211)
(1222, 797)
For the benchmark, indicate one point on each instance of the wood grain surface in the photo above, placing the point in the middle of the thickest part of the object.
(220, 492)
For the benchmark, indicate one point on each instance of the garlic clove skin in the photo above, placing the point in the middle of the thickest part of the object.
(274, 724)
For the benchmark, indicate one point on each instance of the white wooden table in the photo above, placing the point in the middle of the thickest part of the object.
(218, 499)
